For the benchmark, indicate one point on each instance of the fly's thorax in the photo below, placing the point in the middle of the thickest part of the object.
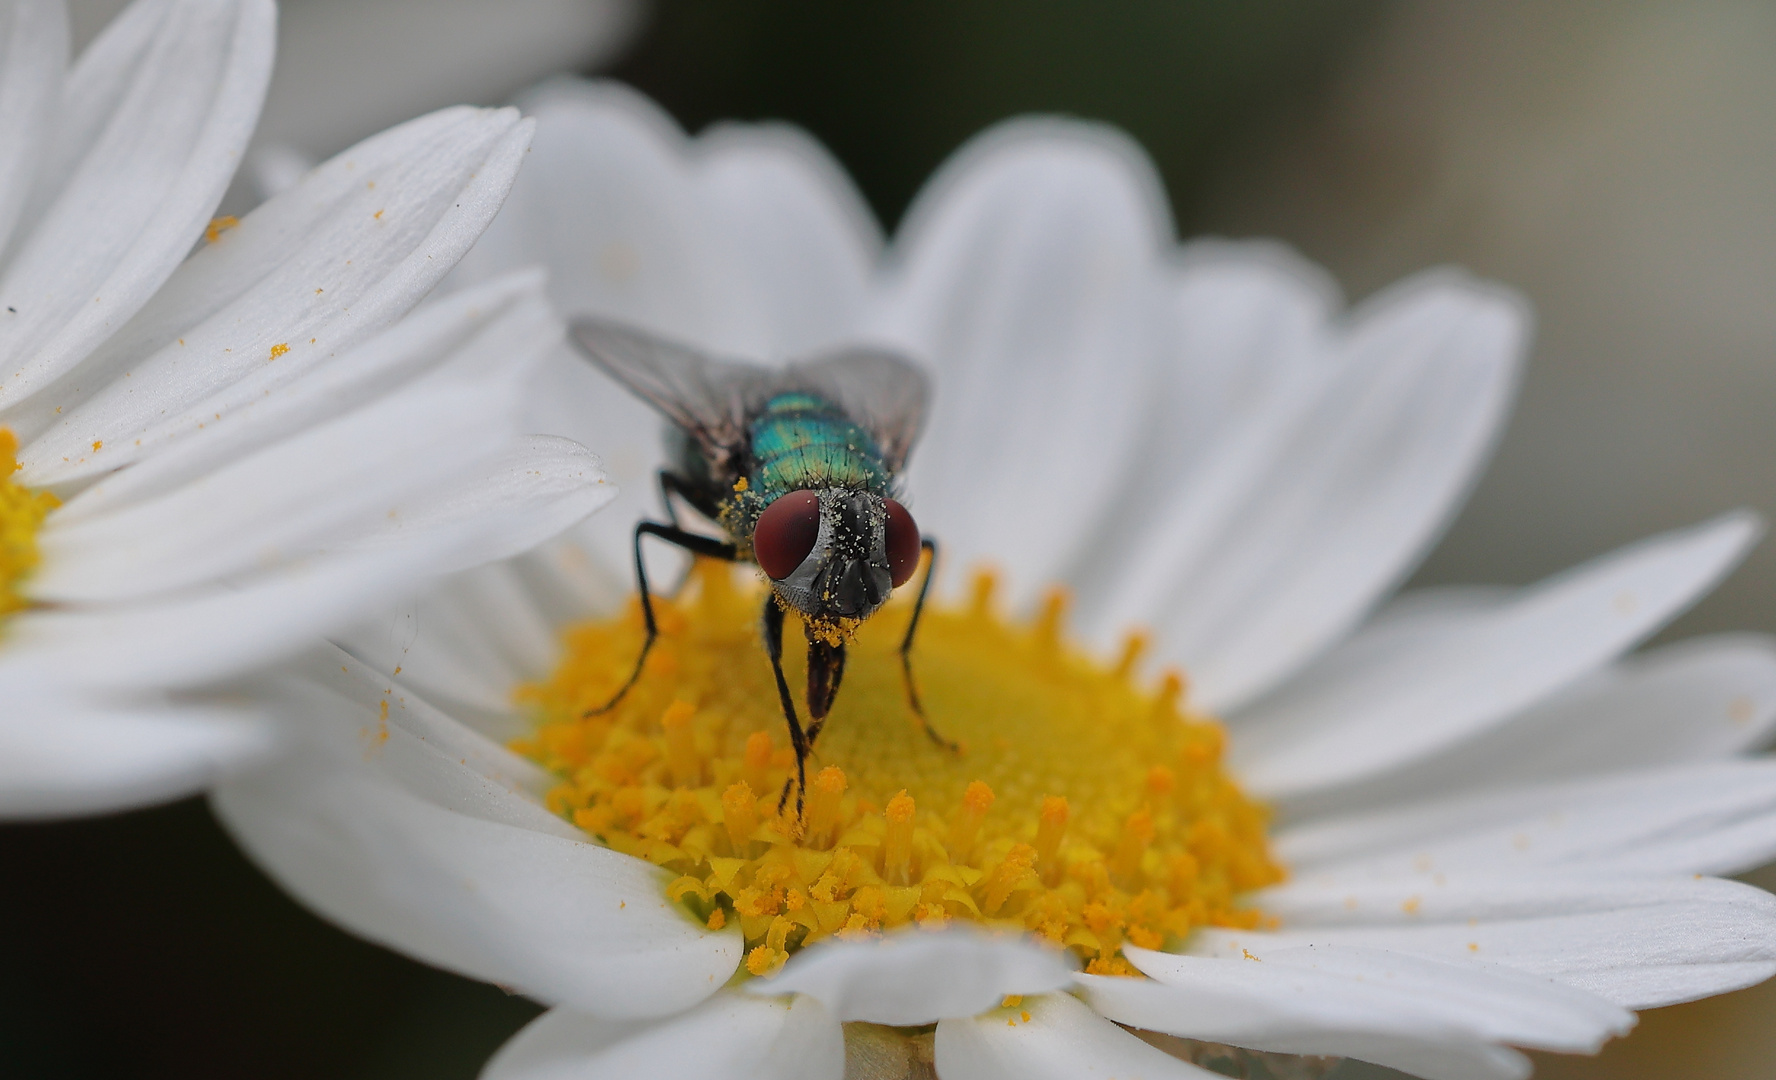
(800, 442)
(845, 576)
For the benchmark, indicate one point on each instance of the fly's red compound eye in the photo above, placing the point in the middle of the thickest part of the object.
(786, 532)
(903, 544)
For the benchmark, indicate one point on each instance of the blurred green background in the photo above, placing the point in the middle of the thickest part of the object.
(1614, 161)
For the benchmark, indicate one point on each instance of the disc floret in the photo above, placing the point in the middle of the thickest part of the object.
(22, 510)
(1081, 807)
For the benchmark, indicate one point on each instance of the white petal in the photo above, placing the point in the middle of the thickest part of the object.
(280, 504)
(421, 748)
(536, 487)
(1638, 942)
(801, 230)
(570, 397)
(1243, 321)
(215, 633)
(1347, 1002)
(1697, 700)
(346, 252)
(156, 116)
(748, 241)
(918, 977)
(33, 54)
(466, 642)
(1410, 688)
(1062, 1040)
(608, 202)
(1298, 1013)
(60, 756)
(558, 919)
(1029, 277)
(730, 1037)
(1712, 817)
(1297, 523)
(338, 78)
(1245, 318)
(497, 331)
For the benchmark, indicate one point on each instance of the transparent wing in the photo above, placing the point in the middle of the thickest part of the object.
(709, 399)
(883, 392)
(712, 400)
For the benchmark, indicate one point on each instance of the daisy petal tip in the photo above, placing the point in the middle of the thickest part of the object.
(1042, 159)
(1273, 262)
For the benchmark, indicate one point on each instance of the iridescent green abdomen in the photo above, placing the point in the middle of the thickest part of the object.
(801, 441)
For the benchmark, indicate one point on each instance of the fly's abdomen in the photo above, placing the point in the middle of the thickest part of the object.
(802, 441)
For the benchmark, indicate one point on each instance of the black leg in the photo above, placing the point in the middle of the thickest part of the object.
(826, 666)
(669, 486)
(798, 741)
(696, 498)
(906, 647)
(707, 546)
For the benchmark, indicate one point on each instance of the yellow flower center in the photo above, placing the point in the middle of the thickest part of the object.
(1079, 806)
(22, 511)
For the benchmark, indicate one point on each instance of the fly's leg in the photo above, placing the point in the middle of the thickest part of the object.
(826, 666)
(906, 648)
(696, 498)
(670, 485)
(696, 544)
(798, 740)
(673, 484)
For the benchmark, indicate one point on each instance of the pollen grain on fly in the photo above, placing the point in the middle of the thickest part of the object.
(22, 511)
(1085, 808)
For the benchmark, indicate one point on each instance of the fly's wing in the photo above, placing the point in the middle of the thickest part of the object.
(708, 399)
(883, 392)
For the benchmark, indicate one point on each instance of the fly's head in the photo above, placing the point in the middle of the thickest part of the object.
(834, 554)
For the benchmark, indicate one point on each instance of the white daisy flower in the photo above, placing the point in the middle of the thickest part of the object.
(211, 459)
(1492, 830)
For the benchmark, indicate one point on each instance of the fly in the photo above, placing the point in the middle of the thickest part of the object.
(799, 466)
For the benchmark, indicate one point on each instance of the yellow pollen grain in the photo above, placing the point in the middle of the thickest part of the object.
(279, 349)
(1085, 808)
(218, 226)
(22, 511)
